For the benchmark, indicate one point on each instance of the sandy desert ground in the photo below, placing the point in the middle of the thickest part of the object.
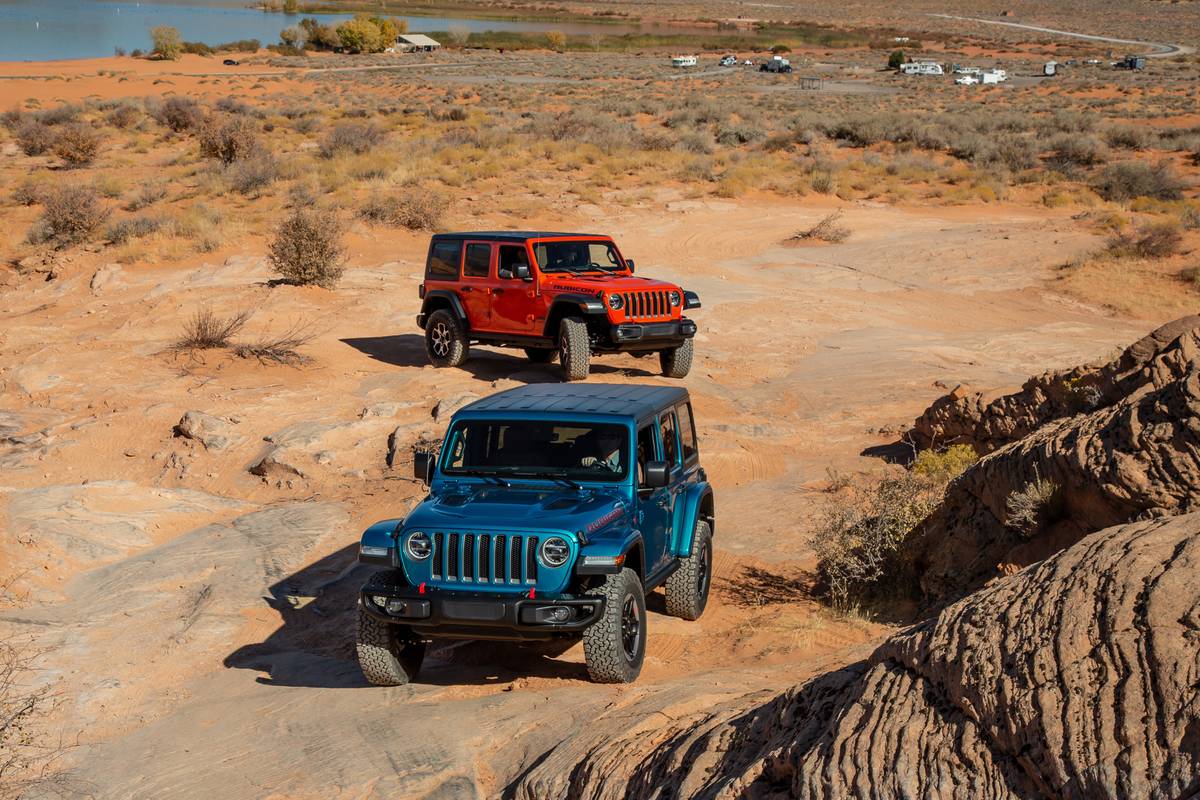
(197, 620)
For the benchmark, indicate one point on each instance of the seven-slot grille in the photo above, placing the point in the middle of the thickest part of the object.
(495, 558)
(647, 304)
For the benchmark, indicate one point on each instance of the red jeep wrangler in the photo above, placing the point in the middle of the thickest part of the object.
(566, 293)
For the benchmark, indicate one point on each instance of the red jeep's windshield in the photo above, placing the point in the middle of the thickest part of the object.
(577, 257)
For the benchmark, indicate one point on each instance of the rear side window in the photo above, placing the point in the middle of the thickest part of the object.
(687, 431)
(478, 262)
(667, 431)
(443, 260)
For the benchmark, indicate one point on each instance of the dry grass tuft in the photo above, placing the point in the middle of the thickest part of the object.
(416, 209)
(208, 331)
(827, 230)
(281, 349)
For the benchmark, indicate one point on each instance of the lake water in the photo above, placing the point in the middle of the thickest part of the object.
(43, 30)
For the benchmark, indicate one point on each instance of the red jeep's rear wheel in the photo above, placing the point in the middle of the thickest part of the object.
(446, 341)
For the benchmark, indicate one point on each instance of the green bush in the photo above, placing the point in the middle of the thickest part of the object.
(896, 59)
(944, 465)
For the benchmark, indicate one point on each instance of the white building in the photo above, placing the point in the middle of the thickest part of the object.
(416, 42)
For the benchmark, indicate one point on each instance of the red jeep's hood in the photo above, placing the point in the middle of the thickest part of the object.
(590, 284)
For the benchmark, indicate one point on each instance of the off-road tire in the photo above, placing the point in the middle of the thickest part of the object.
(540, 355)
(387, 657)
(574, 350)
(446, 341)
(677, 362)
(606, 644)
(687, 587)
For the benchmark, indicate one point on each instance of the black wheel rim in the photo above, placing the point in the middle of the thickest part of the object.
(439, 340)
(631, 627)
(563, 356)
(703, 572)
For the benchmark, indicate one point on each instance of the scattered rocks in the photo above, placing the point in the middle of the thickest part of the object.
(445, 407)
(406, 438)
(106, 278)
(277, 465)
(214, 433)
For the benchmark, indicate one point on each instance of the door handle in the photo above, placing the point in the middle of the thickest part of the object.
(467, 289)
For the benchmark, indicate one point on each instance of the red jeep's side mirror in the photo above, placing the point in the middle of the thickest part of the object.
(629, 263)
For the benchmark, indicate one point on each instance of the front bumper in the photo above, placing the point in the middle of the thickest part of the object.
(480, 615)
(651, 335)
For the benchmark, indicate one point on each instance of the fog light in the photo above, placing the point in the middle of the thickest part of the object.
(560, 614)
(379, 600)
(396, 606)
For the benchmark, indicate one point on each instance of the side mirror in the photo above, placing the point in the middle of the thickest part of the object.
(523, 272)
(505, 274)
(657, 474)
(423, 466)
(629, 263)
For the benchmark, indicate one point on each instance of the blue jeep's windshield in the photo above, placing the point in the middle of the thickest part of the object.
(577, 257)
(577, 451)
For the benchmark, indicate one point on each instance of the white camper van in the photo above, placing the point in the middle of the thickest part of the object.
(921, 68)
(684, 61)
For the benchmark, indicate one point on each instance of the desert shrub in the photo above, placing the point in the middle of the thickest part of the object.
(283, 348)
(12, 118)
(1157, 240)
(1127, 137)
(59, 115)
(861, 530)
(123, 230)
(1126, 180)
(196, 48)
(203, 224)
(307, 248)
(179, 113)
(228, 138)
(350, 137)
(896, 59)
(149, 194)
(77, 144)
(123, 116)
(1191, 276)
(208, 331)
(823, 182)
(556, 40)
(695, 142)
(656, 139)
(167, 43)
(829, 229)
(305, 124)
(1070, 150)
(730, 135)
(862, 130)
(28, 192)
(34, 138)
(416, 209)
(72, 213)
(944, 466)
(1032, 507)
(231, 105)
(250, 176)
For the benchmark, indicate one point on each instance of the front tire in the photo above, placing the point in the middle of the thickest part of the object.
(446, 341)
(574, 350)
(687, 587)
(386, 658)
(540, 355)
(615, 646)
(677, 362)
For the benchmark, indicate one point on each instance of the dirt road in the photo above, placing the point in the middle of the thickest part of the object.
(1156, 49)
(200, 620)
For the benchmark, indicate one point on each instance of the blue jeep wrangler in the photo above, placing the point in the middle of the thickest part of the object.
(552, 511)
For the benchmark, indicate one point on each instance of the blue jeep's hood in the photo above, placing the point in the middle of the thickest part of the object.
(517, 508)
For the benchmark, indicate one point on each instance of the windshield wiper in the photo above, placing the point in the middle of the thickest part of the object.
(487, 476)
(550, 476)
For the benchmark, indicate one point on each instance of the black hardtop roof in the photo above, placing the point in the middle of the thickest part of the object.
(608, 399)
(512, 236)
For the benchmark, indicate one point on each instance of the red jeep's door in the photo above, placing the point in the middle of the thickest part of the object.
(514, 299)
(475, 288)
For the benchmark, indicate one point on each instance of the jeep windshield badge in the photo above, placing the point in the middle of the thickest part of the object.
(496, 552)
(562, 297)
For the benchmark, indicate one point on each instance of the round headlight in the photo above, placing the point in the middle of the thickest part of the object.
(555, 551)
(675, 299)
(418, 546)
(616, 302)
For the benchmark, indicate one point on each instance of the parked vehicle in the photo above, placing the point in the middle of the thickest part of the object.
(994, 76)
(231, 62)
(553, 510)
(777, 64)
(921, 68)
(564, 295)
(684, 61)
(728, 61)
(967, 70)
(966, 80)
(1131, 63)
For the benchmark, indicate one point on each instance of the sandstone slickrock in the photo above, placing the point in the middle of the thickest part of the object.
(987, 421)
(1136, 456)
(1074, 678)
(213, 432)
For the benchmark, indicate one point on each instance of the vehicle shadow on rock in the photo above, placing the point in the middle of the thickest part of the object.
(314, 646)
(408, 350)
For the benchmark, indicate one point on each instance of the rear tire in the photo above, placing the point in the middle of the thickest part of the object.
(677, 362)
(687, 588)
(385, 656)
(540, 355)
(446, 341)
(615, 645)
(574, 351)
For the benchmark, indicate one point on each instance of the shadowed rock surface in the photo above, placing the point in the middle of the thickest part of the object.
(1076, 678)
(1136, 457)
(988, 422)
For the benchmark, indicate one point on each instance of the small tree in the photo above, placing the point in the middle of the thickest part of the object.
(459, 34)
(292, 36)
(557, 40)
(896, 59)
(168, 44)
(307, 249)
(361, 35)
(291, 6)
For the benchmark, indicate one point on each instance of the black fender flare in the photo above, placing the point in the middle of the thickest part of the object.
(440, 297)
(572, 304)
